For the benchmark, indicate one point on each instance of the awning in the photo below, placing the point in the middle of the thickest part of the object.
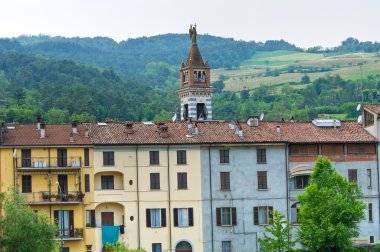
(110, 234)
(301, 170)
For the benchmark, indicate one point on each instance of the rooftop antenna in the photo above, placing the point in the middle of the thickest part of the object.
(358, 107)
(262, 116)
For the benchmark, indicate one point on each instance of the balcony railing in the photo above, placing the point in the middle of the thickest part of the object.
(76, 234)
(40, 163)
(45, 197)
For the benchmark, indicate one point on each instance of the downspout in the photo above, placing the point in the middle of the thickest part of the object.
(138, 198)
(169, 222)
(377, 167)
(212, 218)
(287, 187)
(14, 168)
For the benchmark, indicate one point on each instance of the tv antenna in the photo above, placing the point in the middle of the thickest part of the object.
(358, 107)
(262, 116)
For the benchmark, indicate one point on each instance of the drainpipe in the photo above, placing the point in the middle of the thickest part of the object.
(287, 186)
(138, 198)
(377, 175)
(169, 222)
(212, 218)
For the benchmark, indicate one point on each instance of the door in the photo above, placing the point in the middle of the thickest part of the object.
(61, 157)
(107, 219)
(26, 157)
(62, 180)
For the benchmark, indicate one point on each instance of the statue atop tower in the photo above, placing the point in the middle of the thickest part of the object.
(195, 91)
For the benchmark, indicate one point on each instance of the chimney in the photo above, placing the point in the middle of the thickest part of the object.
(278, 130)
(86, 133)
(196, 129)
(190, 124)
(129, 128)
(42, 130)
(237, 129)
(39, 120)
(72, 137)
(164, 131)
(75, 127)
(253, 122)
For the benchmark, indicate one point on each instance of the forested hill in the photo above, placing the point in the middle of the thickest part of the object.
(131, 56)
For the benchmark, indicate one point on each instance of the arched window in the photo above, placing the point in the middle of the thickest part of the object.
(183, 246)
(294, 210)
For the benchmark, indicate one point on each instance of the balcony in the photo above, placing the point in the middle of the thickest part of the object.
(53, 198)
(46, 163)
(69, 235)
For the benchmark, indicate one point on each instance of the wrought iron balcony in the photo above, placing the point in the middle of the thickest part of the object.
(46, 163)
(46, 197)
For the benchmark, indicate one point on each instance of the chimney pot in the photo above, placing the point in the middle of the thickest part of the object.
(42, 130)
(75, 127)
(72, 138)
(278, 130)
(164, 131)
(129, 128)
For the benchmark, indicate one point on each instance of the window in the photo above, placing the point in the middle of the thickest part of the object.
(86, 182)
(303, 150)
(90, 218)
(294, 210)
(262, 180)
(369, 178)
(352, 175)
(156, 217)
(225, 181)
(299, 182)
(370, 215)
(108, 158)
(65, 249)
(182, 180)
(361, 149)
(332, 149)
(154, 157)
(226, 216)
(369, 119)
(156, 247)
(154, 181)
(261, 156)
(26, 158)
(65, 221)
(226, 246)
(183, 217)
(181, 157)
(86, 157)
(62, 157)
(262, 215)
(107, 182)
(88, 248)
(224, 156)
(26, 183)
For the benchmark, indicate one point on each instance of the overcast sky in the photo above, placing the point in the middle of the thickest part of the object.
(302, 22)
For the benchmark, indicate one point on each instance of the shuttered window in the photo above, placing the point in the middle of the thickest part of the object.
(262, 215)
(225, 181)
(86, 157)
(107, 182)
(87, 183)
(156, 217)
(352, 175)
(261, 156)
(183, 217)
(262, 180)
(181, 157)
(154, 181)
(90, 218)
(226, 216)
(108, 158)
(26, 183)
(370, 212)
(224, 156)
(182, 180)
(154, 157)
(361, 149)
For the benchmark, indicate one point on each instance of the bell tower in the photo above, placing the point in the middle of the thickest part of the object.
(195, 91)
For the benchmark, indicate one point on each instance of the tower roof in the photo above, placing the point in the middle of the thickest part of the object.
(195, 58)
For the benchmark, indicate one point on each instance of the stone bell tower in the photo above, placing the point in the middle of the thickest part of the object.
(195, 91)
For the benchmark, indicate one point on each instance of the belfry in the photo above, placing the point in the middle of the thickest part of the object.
(195, 91)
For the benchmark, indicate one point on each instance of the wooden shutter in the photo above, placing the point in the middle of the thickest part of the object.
(191, 217)
(71, 223)
(56, 221)
(256, 215)
(148, 218)
(270, 214)
(163, 217)
(352, 175)
(152, 181)
(176, 217)
(234, 220)
(86, 157)
(92, 221)
(370, 215)
(218, 216)
(86, 182)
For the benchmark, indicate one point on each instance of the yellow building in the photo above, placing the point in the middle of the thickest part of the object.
(51, 167)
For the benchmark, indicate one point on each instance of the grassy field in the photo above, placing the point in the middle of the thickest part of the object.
(251, 74)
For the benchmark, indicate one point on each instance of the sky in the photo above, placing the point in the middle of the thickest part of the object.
(305, 23)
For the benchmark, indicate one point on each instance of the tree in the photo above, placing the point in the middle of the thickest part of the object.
(121, 247)
(23, 229)
(329, 226)
(277, 236)
(305, 79)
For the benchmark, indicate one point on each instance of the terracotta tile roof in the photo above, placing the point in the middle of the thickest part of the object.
(375, 108)
(28, 135)
(219, 132)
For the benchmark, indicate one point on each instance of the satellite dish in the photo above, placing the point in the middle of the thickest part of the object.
(360, 119)
(261, 116)
(358, 107)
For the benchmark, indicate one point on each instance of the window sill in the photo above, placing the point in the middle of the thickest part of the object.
(225, 190)
(261, 163)
(183, 226)
(154, 164)
(182, 189)
(108, 165)
(224, 163)
(155, 189)
(182, 164)
(263, 190)
(226, 226)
